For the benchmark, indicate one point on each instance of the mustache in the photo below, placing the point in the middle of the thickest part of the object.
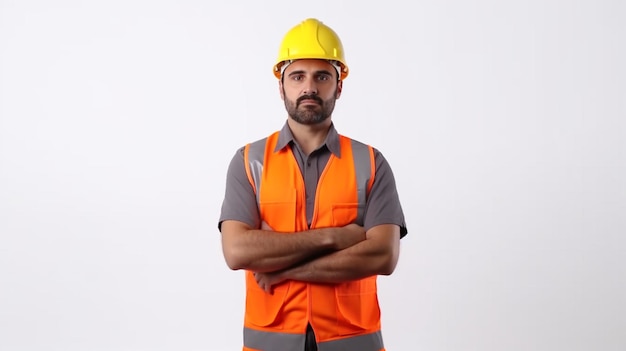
(310, 97)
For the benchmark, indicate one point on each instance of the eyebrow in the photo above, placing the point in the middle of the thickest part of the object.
(322, 71)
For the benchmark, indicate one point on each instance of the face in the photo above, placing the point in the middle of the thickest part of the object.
(309, 89)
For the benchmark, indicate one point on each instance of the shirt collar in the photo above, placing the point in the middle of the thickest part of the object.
(285, 137)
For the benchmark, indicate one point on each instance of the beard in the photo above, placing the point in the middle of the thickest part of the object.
(310, 114)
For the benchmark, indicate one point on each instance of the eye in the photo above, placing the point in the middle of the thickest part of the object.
(297, 77)
(323, 77)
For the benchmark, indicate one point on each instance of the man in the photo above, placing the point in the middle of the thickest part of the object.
(312, 216)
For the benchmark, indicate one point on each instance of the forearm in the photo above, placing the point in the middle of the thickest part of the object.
(377, 255)
(267, 251)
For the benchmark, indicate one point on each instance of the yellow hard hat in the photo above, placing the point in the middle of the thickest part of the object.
(311, 39)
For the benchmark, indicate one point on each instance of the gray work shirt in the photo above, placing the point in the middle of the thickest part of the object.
(382, 207)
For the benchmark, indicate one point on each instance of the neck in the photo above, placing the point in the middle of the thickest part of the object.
(309, 137)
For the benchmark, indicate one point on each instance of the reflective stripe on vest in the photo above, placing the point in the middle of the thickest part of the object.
(253, 158)
(363, 156)
(271, 341)
(363, 163)
(367, 342)
(260, 340)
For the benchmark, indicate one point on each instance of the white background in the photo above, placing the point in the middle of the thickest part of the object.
(504, 123)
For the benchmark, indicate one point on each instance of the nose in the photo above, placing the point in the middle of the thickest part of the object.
(310, 88)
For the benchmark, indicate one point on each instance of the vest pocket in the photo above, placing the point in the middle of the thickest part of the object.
(358, 308)
(262, 308)
(345, 213)
(279, 211)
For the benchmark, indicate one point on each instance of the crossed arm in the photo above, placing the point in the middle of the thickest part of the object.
(328, 255)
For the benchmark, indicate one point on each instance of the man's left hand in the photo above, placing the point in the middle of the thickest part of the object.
(267, 281)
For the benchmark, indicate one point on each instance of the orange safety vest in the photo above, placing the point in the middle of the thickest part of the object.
(345, 316)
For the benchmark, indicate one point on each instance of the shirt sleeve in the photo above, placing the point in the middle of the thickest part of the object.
(383, 204)
(239, 200)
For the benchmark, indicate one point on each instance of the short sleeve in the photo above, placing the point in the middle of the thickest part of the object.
(239, 199)
(383, 203)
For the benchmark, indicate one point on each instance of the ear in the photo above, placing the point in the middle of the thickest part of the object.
(281, 90)
(339, 88)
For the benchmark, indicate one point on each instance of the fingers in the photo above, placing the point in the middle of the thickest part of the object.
(263, 280)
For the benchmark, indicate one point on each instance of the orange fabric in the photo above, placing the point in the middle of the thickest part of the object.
(335, 311)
